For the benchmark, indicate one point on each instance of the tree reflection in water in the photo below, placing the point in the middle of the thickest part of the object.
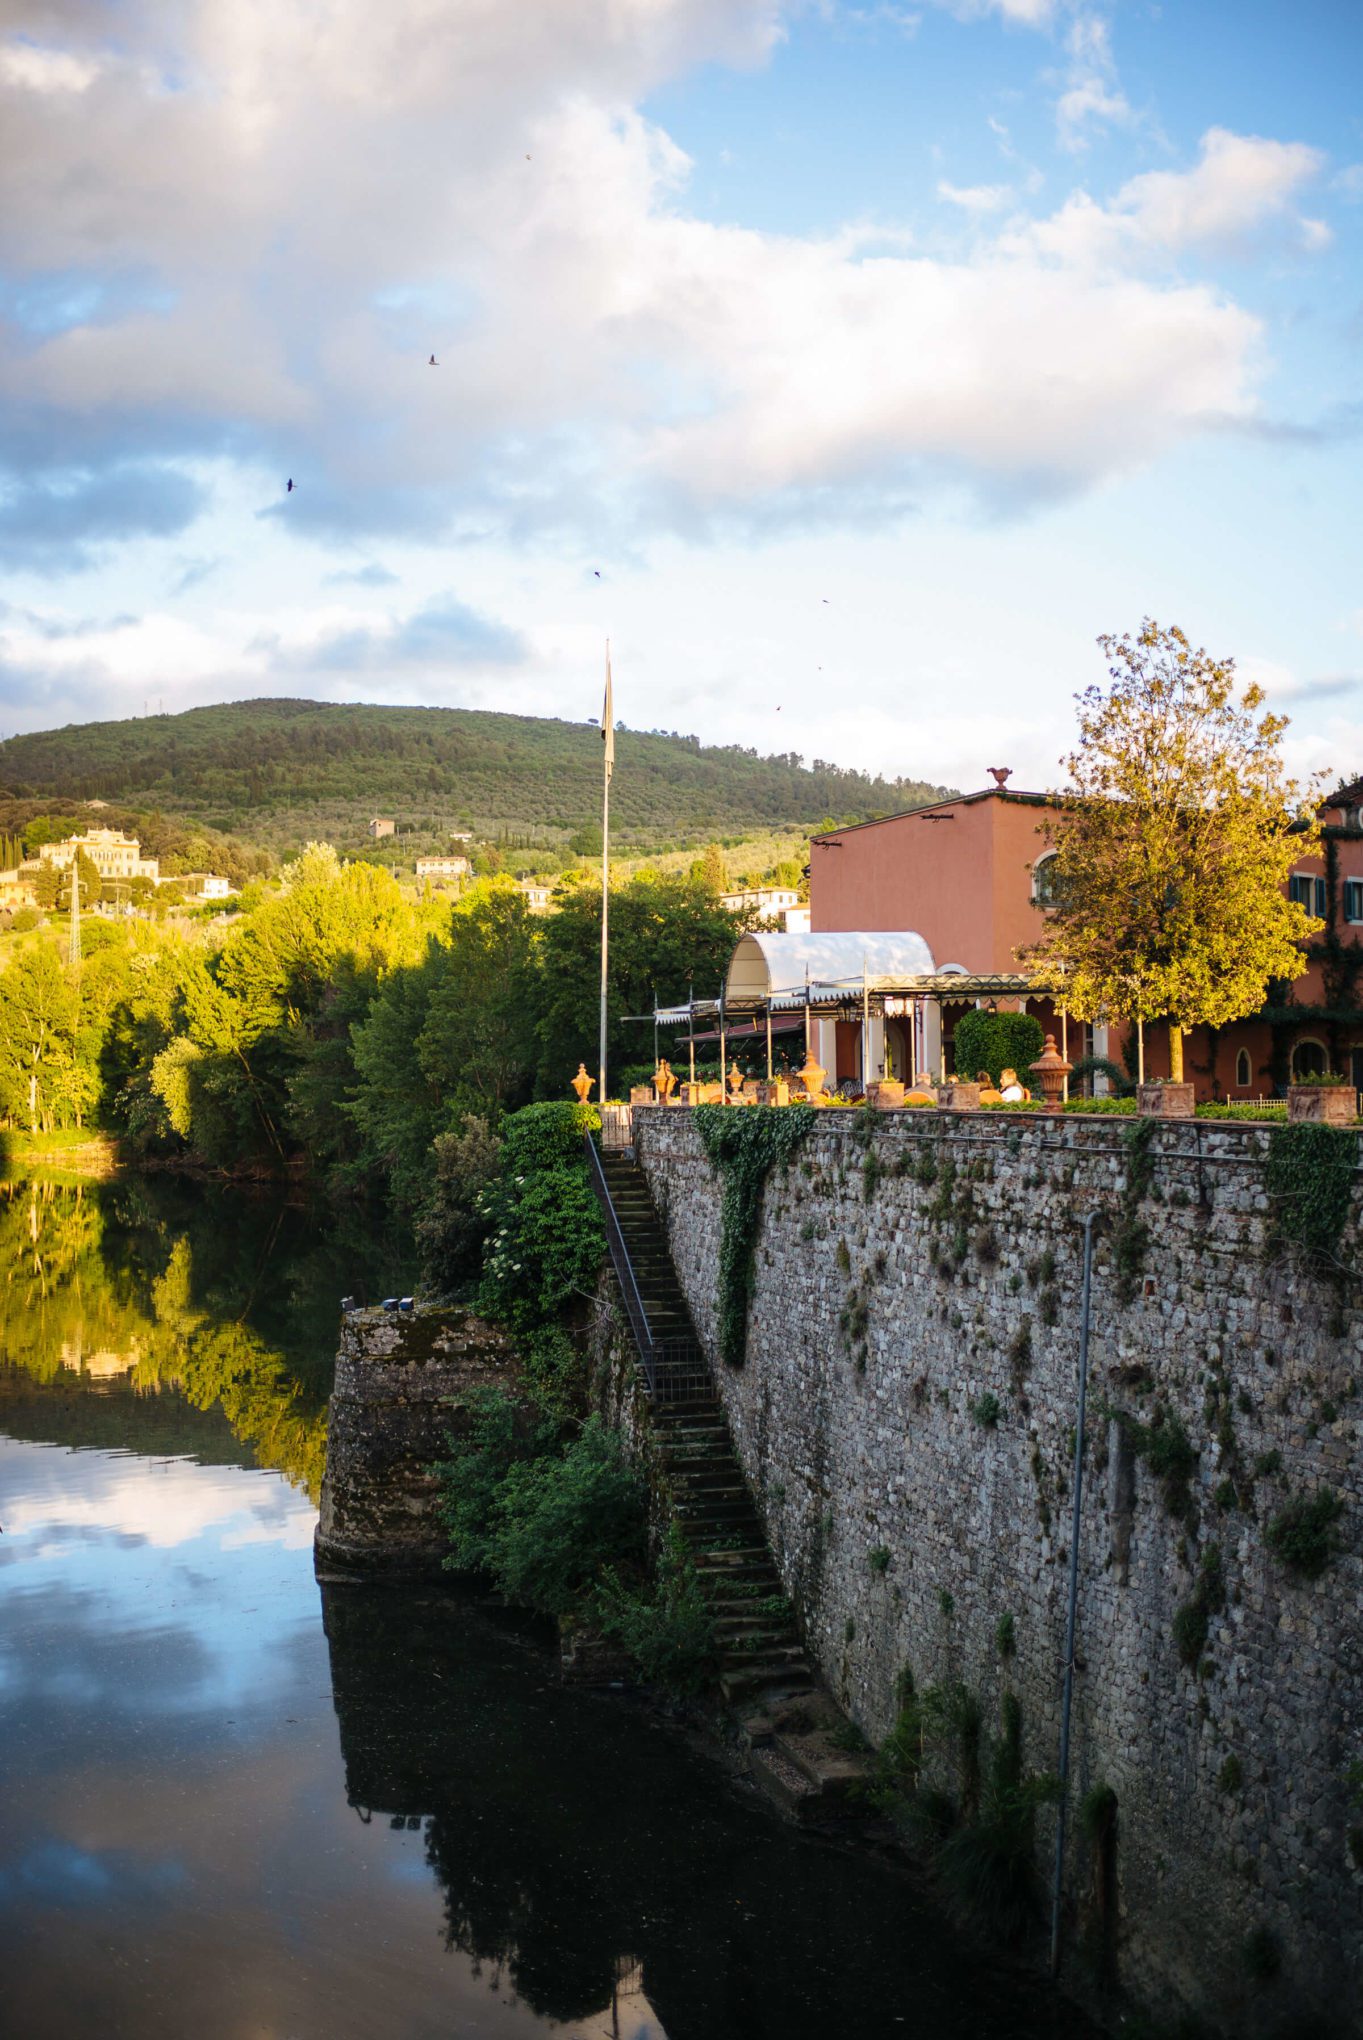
(160, 1288)
(575, 1838)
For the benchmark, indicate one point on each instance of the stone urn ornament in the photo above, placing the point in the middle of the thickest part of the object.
(582, 1083)
(1050, 1070)
(664, 1083)
(812, 1076)
(735, 1080)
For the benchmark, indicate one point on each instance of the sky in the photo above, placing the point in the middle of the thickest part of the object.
(851, 366)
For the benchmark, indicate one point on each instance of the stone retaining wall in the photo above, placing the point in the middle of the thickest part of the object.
(904, 1416)
(400, 1378)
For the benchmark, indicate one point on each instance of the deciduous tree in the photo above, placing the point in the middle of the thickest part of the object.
(1173, 844)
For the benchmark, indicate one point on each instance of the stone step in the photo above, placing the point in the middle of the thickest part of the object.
(778, 1780)
(737, 1683)
(834, 1773)
(733, 1641)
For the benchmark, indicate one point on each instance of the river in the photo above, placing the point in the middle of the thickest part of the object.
(240, 1806)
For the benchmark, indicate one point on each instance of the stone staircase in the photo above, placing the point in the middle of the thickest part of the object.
(759, 1653)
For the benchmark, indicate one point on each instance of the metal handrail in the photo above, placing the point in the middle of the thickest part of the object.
(671, 1366)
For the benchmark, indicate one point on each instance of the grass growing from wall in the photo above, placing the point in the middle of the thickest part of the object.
(743, 1145)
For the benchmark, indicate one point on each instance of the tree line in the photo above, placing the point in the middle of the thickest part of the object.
(272, 766)
(339, 1025)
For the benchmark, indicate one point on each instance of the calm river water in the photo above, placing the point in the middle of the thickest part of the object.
(233, 1803)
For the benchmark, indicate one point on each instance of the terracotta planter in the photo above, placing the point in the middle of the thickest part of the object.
(1164, 1101)
(777, 1092)
(1050, 1070)
(641, 1094)
(812, 1077)
(886, 1095)
(1328, 1104)
(692, 1094)
(959, 1097)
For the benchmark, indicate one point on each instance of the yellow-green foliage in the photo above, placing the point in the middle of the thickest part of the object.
(1173, 844)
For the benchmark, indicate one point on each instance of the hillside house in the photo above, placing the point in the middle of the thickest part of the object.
(382, 827)
(114, 855)
(442, 871)
(969, 874)
(538, 898)
(766, 900)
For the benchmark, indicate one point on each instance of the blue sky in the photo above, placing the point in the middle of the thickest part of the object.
(852, 365)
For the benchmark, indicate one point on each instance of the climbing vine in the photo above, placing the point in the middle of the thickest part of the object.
(1131, 1235)
(1310, 1177)
(743, 1145)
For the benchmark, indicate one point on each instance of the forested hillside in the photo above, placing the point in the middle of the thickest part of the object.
(279, 772)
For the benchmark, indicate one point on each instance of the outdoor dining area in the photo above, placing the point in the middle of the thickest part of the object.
(870, 1017)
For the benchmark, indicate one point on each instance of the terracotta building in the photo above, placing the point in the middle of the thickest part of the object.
(969, 875)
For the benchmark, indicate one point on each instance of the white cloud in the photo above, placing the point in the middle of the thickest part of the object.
(1092, 96)
(317, 212)
(1018, 13)
(975, 198)
(1242, 186)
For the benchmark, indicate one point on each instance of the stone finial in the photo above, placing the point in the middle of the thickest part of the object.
(582, 1083)
(1050, 1070)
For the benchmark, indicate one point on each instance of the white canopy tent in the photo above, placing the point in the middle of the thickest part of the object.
(764, 968)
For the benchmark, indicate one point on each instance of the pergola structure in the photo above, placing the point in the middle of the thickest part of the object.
(810, 983)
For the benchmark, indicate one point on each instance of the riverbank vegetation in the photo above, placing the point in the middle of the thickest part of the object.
(537, 1492)
(337, 1027)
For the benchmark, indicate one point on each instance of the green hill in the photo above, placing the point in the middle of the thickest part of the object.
(279, 772)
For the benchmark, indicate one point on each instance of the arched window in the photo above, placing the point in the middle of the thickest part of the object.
(1309, 1060)
(1045, 880)
(1244, 1073)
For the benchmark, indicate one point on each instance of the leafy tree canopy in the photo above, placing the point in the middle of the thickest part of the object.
(1173, 844)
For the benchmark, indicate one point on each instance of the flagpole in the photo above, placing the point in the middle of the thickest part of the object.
(608, 744)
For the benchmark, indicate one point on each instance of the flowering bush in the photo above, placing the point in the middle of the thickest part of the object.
(545, 1243)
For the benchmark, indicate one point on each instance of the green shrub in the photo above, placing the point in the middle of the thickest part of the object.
(546, 1136)
(667, 1627)
(986, 1410)
(1302, 1535)
(559, 1522)
(545, 1247)
(1231, 1776)
(453, 1219)
(1005, 1636)
(497, 1434)
(995, 1042)
(878, 1558)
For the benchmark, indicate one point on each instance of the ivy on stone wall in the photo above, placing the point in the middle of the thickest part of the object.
(1131, 1235)
(742, 1144)
(1309, 1176)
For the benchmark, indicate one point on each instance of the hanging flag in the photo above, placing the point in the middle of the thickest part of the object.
(608, 720)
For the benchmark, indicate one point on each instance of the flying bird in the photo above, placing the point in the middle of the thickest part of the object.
(824, 600)
(289, 490)
(433, 363)
(597, 572)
